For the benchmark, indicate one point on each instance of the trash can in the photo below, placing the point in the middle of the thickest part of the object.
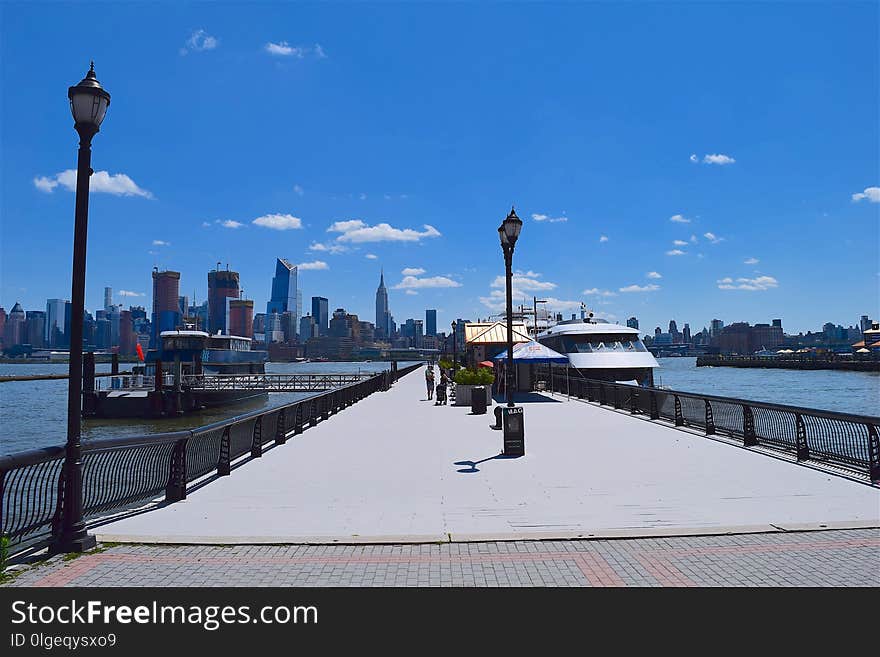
(478, 400)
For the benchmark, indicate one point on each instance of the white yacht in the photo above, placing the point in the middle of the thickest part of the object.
(601, 350)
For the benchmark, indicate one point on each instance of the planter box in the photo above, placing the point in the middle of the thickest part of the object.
(463, 394)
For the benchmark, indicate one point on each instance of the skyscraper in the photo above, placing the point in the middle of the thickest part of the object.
(431, 322)
(632, 322)
(166, 313)
(222, 286)
(36, 328)
(15, 331)
(54, 322)
(285, 295)
(241, 317)
(383, 317)
(108, 297)
(321, 314)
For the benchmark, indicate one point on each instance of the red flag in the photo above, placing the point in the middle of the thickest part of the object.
(140, 351)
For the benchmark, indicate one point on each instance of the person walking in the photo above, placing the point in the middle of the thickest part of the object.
(429, 381)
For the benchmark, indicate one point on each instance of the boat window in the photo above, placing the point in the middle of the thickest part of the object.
(182, 343)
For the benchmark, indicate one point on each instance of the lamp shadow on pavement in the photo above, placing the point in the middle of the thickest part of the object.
(472, 465)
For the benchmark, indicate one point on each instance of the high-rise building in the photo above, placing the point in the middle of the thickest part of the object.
(340, 324)
(183, 306)
(127, 335)
(108, 297)
(431, 322)
(777, 323)
(241, 317)
(715, 327)
(686, 333)
(15, 330)
(222, 286)
(320, 315)
(2, 324)
(632, 322)
(864, 323)
(166, 313)
(36, 328)
(54, 322)
(673, 331)
(308, 328)
(383, 316)
(68, 307)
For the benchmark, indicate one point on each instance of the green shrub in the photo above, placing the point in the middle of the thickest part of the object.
(482, 376)
(445, 363)
(4, 552)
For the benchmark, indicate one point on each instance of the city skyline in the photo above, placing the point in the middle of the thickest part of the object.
(744, 185)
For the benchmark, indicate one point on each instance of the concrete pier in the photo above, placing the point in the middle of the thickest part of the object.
(396, 468)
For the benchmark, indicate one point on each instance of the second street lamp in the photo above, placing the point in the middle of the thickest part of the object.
(514, 435)
(88, 104)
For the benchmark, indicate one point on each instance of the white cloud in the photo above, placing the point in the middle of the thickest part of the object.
(694, 239)
(752, 284)
(278, 221)
(284, 49)
(523, 282)
(230, 223)
(206, 224)
(371, 256)
(653, 274)
(561, 305)
(315, 264)
(199, 41)
(676, 252)
(548, 218)
(603, 239)
(679, 243)
(712, 237)
(694, 158)
(751, 261)
(679, 219)
(100, 182)
(412, 271)
(413, 282)
(412, 293)
(129, 293)
(333, 249)
(595, 291)
(871, 194)
(356, 231)
(319, 51)
(298, 189)
(650, 287)
(718, 158)
(161, 243)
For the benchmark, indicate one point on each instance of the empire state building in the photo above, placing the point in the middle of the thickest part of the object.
(383, 317)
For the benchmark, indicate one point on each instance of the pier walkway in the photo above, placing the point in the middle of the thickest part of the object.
(396, 468)
(416, 495)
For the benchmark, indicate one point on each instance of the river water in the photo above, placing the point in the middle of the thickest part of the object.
(34, 413)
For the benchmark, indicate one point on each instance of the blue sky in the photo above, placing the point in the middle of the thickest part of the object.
(684, 161)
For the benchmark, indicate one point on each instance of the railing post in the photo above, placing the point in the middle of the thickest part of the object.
(601, 394)
(655, 413)
(634, 400)
(325, 406)
(873, 453)
(257, 439)
(616, 396)
(176, 488)
(710, 419)
(679, 418)
(803, 449)
(223, 464)
(749, 437)
(313, 413)
(298, 420)
(281, 428)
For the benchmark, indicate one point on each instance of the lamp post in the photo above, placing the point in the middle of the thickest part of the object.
(454, 351)
(508, 232)
(88, 104)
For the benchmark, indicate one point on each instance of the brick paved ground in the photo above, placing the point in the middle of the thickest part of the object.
(826, 558)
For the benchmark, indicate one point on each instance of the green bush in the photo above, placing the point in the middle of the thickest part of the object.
(445, 363)
(4, 552)
(482, 376)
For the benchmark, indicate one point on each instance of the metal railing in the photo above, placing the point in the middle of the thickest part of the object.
(123, 473)
(841, 439)
(271, 382)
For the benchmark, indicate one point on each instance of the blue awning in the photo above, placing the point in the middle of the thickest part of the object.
(533, 352)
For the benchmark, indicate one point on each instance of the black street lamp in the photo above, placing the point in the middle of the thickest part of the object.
(88, 104)
(508, 233)
(454, 351)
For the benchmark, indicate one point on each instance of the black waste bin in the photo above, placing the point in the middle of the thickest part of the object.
(478, 400)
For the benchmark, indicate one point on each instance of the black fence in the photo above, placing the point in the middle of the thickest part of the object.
(841, 439)
(123, 473)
